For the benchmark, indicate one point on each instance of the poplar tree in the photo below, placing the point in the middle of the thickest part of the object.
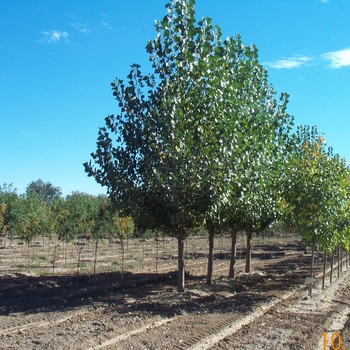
(168, 158)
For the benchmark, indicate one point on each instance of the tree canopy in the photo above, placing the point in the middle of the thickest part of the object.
(46, 190)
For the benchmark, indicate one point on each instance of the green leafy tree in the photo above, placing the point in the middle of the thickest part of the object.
(2, 214)
(75, 221)
(180, 128)
(254, 155)
(46, 190)
(122, 228)
(102, 221)
(8, 199)
(317, 192)
(31, 218)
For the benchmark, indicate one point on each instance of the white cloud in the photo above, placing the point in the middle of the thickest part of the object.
(289, 63)
(85, 30)
(106, 25)
(338, 59)
(81, 28)
(53, 36)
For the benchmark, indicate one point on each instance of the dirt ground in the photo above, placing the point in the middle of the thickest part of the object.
(267, 309)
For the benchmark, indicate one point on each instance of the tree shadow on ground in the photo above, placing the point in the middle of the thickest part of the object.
(150, 293)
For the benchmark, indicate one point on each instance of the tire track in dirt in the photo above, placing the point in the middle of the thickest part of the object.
(208, 332)
(209, 335)
(231, 326)
(126, 335)
(226, 330)
(12, 326)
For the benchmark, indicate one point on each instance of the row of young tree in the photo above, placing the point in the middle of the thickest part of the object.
(42, 212)
(205, 141)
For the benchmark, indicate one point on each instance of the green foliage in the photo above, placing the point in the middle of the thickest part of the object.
(193, 138)
(123, 226)
(30, 217)
(75, 216)
(46, 191)
(317, 191)
(2, 214)
(8, 200)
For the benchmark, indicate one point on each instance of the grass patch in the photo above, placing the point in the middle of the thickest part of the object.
(40, 257)
(21, 265)
(3, 257)
(138, 262)
(116, 264)
(43, 273)
(81, 266)
(34, 265)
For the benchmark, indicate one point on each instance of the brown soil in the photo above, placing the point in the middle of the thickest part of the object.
(267, 309)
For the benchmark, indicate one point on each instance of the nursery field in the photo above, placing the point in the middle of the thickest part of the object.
(69, 297)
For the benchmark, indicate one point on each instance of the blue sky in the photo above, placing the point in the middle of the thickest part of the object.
(58, 58)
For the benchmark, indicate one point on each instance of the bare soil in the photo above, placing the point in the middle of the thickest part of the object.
(267, 309)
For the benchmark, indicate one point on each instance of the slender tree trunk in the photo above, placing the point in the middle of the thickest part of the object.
(95, 260)
(123, 256)
(54, 258)
(231, 273)
(80, 249)
(28, 254)
(312, 265)
(65, 254)
(341, 259)
(248, 258)
(338, 260)
(6, 235)
(324, 269)
(180, 260)
(210, 257)
(332, 265)
(157, 253)
(312, 259)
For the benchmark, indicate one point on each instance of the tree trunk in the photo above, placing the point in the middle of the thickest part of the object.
(324, 269)
(123, 256)
(210, 257)
(65, 254)
(180, 260)
(95, 260)
(6, 235)
(312, 259)
(338, 260)
(312, 266)
(80, 249)
(248, 258)
(231, 273)
(28, 254)
(341, 259)
(157, 252)
(332, 265)
(54, 260)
